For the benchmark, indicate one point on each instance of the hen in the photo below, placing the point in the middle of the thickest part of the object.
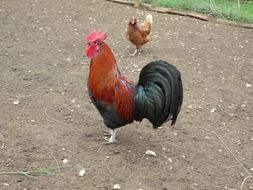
(139, 34)
(157, 96)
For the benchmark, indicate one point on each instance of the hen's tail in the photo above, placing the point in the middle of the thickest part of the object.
(149, 19)
(159, 93)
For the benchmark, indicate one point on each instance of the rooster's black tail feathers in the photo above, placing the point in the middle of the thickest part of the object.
(159, 93)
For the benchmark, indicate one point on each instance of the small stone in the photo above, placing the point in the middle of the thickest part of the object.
(6, 184)
(65, 161)
(170, 160)
(248, 85)
(116, 186)
(150, 152)
(16, 102)
(213, 110)
(82, 172)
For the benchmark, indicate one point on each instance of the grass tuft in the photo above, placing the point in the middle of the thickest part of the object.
(227, 9)
(35, 172)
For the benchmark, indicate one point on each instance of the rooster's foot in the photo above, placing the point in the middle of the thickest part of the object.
(112, 138)
(107, 133)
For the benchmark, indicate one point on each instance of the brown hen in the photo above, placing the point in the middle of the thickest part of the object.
(139, 34)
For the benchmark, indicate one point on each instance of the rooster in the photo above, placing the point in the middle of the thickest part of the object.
(157, 96)
(139, 34)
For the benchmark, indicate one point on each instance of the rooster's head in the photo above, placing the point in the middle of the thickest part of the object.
(94, 40)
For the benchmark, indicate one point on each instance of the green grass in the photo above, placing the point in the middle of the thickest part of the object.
(226, 9)
(35, 172)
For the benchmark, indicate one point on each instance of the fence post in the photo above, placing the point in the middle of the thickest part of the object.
(239, 5)
(137, 3)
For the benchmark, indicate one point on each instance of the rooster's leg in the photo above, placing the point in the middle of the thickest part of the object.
(112, 138)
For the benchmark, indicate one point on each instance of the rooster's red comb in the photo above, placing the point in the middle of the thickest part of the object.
(97, 35)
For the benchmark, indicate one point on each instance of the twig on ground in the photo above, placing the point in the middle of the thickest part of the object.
(45, 112)
(193, 187)
(104, 163)
(237, 160)
(245, 179)
(233, 166)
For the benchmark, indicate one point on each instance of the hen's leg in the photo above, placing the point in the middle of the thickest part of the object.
(112, 138)
(135, 51)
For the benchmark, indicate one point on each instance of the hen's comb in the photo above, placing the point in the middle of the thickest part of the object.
(93, 36)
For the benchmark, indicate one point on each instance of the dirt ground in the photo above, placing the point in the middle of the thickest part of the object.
(46, 116)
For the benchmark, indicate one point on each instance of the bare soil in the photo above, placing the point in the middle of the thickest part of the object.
(46, 115)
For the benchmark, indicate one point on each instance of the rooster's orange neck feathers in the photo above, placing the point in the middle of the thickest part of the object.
(103, 74)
